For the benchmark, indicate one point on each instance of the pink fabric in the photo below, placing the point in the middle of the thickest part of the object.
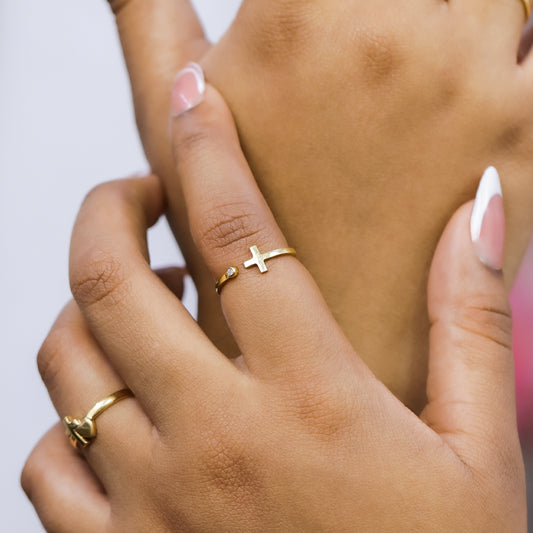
(522, 303)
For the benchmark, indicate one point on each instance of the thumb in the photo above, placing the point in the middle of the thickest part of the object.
(471, 395)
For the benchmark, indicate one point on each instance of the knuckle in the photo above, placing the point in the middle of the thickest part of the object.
(283, 28)
(50, 358)
(104, 194)
(512, 136)
(326, 409)
(232, 226)
(33, 477)
(226, 472)
(380, 55)
(115, 194)
(98, 278)
(28, 476)
(486, 324)
(225, 463)
(227, 453)
(100, 192)
(193, 139)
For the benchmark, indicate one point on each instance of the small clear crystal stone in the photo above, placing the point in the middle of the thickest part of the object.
(231, 272)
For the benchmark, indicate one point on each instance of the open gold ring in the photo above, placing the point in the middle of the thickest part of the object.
(81, 432)
(258, 259)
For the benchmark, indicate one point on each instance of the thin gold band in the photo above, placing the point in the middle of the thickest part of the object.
(527, 7)
(258, 259)
(231, 273)
(81, 432)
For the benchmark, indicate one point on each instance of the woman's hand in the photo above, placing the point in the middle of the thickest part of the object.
(375, 116)
(299, 435)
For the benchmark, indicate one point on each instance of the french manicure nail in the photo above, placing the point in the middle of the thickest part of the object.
(188, 90)
(487, 225)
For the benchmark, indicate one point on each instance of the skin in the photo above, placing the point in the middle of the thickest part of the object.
(299, 435)
(363, 135)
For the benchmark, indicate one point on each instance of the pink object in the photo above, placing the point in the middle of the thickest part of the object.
(488, 236)
(522, 304)
(188, 90)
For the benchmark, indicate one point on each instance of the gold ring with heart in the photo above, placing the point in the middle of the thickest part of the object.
(81, 432)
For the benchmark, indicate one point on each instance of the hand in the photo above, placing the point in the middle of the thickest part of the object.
(345, 110)
(300, 436)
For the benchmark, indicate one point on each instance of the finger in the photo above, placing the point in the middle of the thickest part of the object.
(158, 38)
(173, 278)
(227, 216)
(61, 486)
(149, 337)
(471, 394)
(526, 41)
(500, 21)
(77, 375)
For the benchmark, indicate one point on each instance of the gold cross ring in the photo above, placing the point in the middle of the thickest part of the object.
(259, 259)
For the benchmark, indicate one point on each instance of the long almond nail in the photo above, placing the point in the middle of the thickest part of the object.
(487, 225)
(188, 90)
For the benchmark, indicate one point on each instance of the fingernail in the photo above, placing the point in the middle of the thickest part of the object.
(188, 90)
(487, 225)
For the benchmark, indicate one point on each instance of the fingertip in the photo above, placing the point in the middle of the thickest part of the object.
(147, 191)
(195, 102)
(467, 270)
(138, 190)
(188, 89)
(488, 221)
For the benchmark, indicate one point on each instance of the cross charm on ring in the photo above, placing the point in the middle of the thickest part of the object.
(259, 259)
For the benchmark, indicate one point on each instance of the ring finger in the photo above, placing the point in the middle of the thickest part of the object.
(77, 375)
(63, 488)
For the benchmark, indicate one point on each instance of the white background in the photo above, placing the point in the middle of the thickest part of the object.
(66, 123)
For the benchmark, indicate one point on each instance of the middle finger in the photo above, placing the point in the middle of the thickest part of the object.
(278, 317)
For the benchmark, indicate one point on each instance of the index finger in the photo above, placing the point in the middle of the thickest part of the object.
(279, 317)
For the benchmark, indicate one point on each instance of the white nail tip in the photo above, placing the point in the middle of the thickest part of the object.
(489, 187)
(198, 71)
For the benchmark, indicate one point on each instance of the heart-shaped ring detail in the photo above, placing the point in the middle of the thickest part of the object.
(80, 432)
